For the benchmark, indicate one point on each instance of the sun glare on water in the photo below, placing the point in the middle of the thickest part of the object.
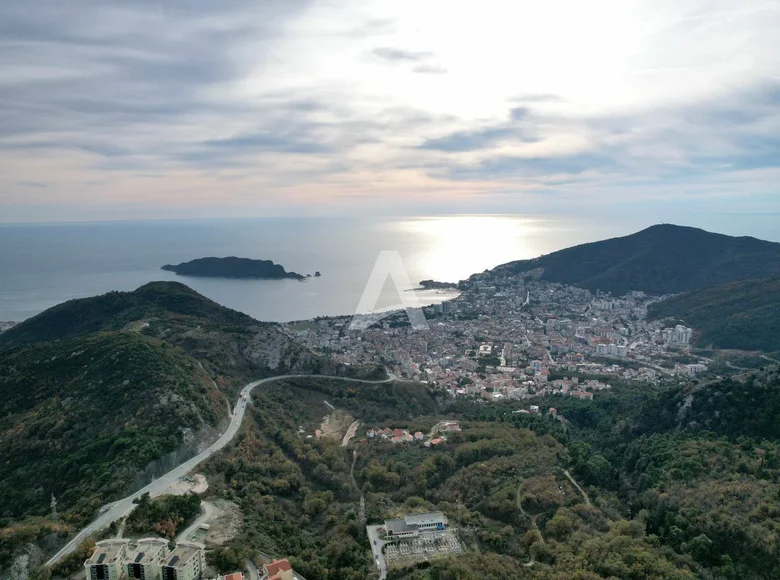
(454, 247)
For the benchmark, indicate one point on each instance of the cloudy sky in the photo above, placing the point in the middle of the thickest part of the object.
(173, 108)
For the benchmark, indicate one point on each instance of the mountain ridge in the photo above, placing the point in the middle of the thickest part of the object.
(661, 259)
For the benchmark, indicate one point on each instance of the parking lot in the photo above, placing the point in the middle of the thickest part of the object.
(427, 546)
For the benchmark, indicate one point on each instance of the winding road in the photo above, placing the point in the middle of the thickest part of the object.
(115, 510)
(207, 512)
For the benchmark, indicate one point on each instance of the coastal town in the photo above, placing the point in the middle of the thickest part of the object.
(507, 337)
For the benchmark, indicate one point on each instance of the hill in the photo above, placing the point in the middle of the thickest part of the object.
(82, 417)
(502, 485)
(233, 347)
(740, 406)
(738, 315)
(114, 310)
(662, 259)
(99, 394)
(232, 267)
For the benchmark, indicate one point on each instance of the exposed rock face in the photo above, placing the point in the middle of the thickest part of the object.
(25, 560)
(275, 351)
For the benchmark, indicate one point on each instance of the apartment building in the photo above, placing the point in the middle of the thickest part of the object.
(106, 562)
(186, 562)
(146, 561)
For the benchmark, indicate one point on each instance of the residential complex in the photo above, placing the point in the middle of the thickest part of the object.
(107, 561)
(186, 562)
(145, 562)
(145, 559)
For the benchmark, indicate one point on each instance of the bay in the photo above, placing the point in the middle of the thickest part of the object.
(44, 264)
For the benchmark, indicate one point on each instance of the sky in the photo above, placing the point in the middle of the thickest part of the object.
(159, 109)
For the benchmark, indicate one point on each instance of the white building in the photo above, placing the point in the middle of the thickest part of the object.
(186, 562)
(145, 562)
(412, 524)
(107, 561)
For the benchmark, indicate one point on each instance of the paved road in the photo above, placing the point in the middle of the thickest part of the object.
(207, 512)
(376, 548)
(118, 509)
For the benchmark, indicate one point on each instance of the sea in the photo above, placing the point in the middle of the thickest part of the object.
(42, 265)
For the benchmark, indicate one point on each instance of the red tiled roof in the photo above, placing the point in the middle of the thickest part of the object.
(235, 576)
(277, 566)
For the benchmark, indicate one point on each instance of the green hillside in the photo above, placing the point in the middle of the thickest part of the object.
(232, 347)
(662, 259)
(98, 392)
(740, 315)
(494, 481)
(733, 407)
(112, 311)
(80, 418)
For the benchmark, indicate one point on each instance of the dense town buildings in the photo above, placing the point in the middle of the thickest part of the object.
(512, 337)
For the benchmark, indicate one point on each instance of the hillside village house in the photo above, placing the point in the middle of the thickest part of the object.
(278, 570)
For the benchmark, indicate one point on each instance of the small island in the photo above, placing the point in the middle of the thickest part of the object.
(232, 267)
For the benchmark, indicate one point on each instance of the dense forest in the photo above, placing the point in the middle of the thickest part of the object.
(662, 259)
(665, 500)
(739, 315)
(82, 416)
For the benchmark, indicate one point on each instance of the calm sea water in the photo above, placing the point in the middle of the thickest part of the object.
(43, 265)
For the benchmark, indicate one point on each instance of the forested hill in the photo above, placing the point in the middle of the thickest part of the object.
(233, 347)
(734, 407)
(662, 259)
(114, 310)
(79, 418)
(101, 392)
(739, 315)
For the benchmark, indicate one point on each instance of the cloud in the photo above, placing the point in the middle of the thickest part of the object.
(142, 102)
(738, 132)
(429, 69)
(516, 129)
(400, 55)
(536, 98)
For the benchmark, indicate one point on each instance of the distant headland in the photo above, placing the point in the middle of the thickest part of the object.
(233, 267)
(435, 285)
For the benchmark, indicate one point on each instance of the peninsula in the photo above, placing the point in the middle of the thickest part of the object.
(435, 285)
(232, 267)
